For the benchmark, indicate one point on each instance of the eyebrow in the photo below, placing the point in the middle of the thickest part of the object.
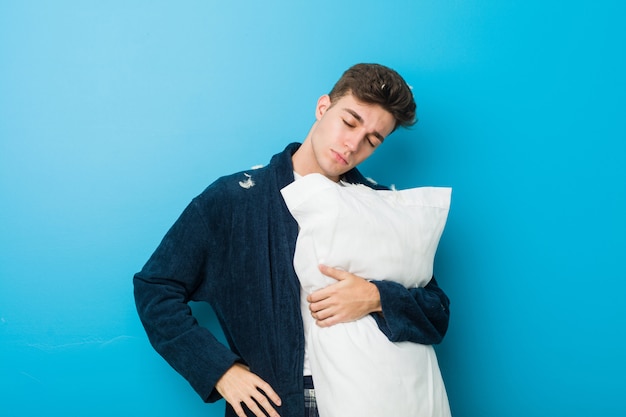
(358, 117)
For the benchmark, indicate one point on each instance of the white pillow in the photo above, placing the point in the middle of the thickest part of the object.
(378, 235)
(374, 234)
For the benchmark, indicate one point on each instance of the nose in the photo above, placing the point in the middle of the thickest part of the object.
(352, 143)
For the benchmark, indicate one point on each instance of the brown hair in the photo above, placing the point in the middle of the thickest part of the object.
(377, 84)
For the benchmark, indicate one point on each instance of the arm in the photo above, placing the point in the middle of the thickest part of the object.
(188, 254)
(162, 290)
(418, 315)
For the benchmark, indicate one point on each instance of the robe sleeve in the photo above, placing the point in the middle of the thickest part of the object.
(162, 290)
(418, 315)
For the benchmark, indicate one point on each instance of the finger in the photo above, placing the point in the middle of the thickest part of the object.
(262, 403)
(319, 295)
(322, 305)
(313, 297)
(238, 410)
(323, 314)
(254, 407)
(315, 306)
(327, 322)
(270, 393)
(335, 273)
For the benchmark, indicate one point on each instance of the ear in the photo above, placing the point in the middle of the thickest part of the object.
(323, 104)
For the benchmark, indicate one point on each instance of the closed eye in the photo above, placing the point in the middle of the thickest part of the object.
(371, 142)
(348, 124)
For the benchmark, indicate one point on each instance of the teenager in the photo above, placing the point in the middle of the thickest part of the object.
(233, 247)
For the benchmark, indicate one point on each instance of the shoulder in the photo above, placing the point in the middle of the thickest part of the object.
(240, 183)
(254, 184)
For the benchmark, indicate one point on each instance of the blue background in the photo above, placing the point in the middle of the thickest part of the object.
(113, 115)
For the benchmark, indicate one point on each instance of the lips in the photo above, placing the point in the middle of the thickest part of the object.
(339, 158)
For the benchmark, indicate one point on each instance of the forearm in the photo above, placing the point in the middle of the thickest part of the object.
(174, 333)
(419, 315)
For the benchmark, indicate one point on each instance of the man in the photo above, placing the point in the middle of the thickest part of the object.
(233, 247)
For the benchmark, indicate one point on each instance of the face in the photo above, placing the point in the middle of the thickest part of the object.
(345, 134)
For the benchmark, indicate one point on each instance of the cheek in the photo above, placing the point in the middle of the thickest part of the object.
(365, 152)
(325, 132)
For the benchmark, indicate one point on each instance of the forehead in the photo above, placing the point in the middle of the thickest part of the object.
(371, 115)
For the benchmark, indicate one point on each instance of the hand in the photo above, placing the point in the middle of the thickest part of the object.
(238, 385)
(349, 299)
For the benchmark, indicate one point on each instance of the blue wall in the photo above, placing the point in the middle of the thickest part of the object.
(113, 115)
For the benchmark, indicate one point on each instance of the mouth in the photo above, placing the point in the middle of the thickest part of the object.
(337, 156)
